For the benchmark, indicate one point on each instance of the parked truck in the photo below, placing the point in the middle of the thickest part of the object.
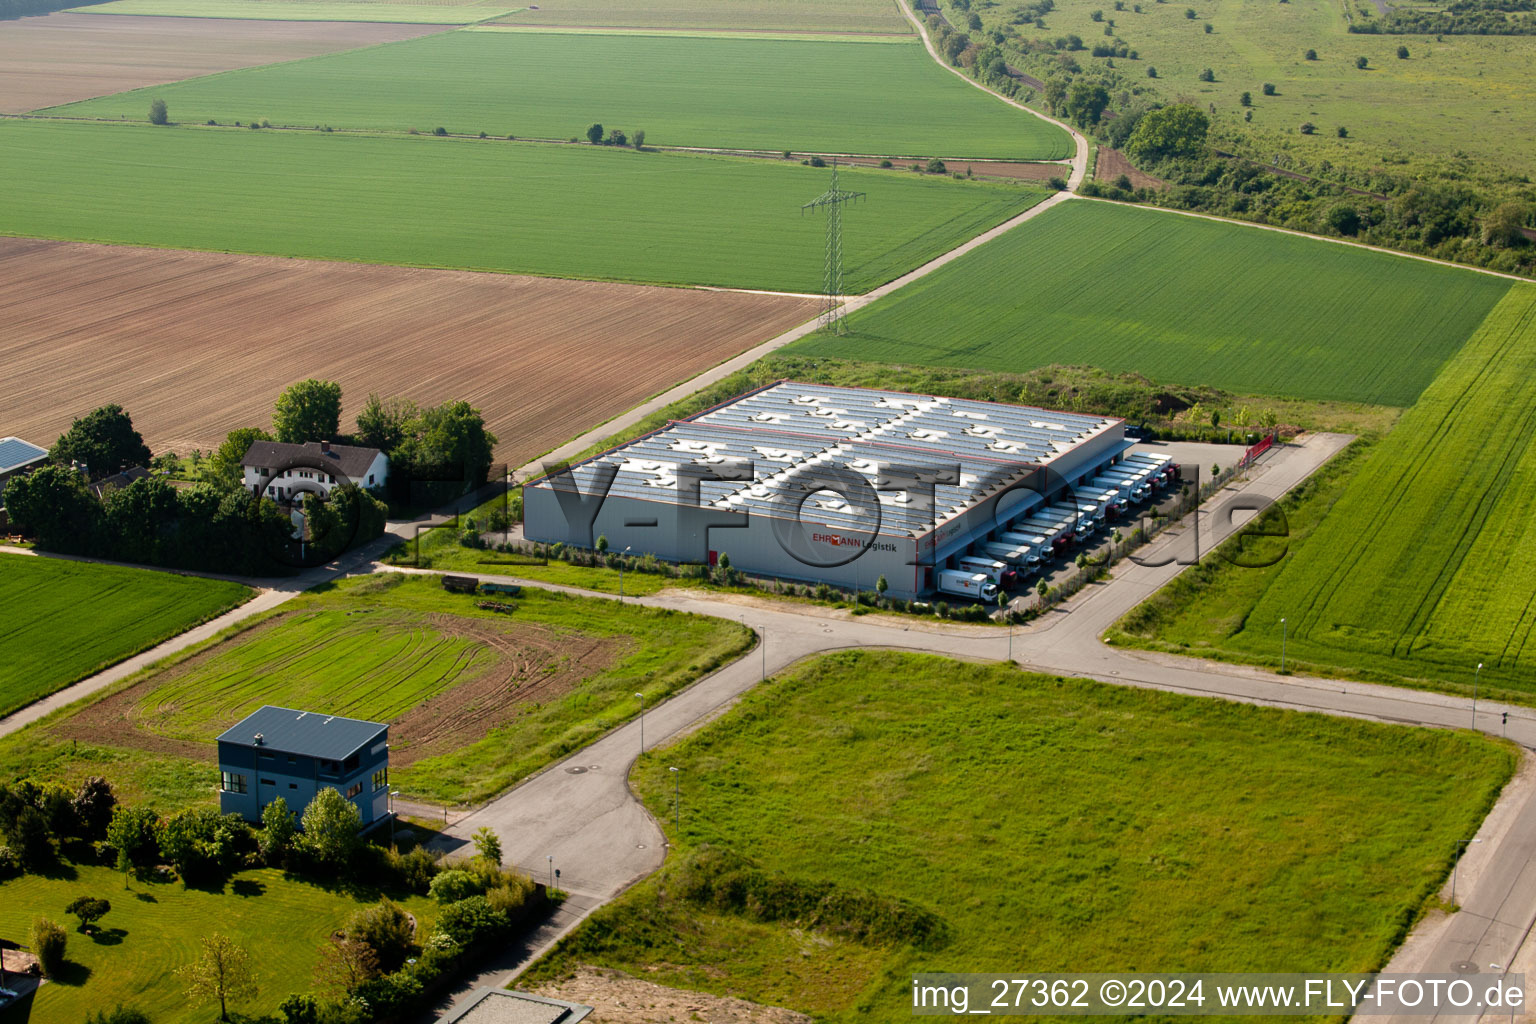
(1013, 555)
(1162, 464)
(1037, 544)
(1110, 499)
(1056, 529)
(1138, 480)
(977, 585)
(1000, 572)
(1087, 516)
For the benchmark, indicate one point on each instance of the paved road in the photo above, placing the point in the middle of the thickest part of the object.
(581, 812)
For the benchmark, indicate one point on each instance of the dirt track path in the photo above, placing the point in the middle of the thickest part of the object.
(1079, 162)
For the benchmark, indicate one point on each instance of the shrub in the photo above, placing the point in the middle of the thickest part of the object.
(1310, 55)
(158, 113)
(118, 1015)
(1362, 63)
(1058, 183)
(885, 164)
(1402, 53)
(49, 943)
(1307, 127)
(1245, 100)
(1189, 12)
(594, 134)
(455, 885)
(816, 161)
(331, 824)
(277, 831)
(132, 832)
(1343, 132)
(10, 864)
(936, 166)
(469, 920)
(1269, 88)
(1207, 75)
(1151, 71)
(439, 131)
(387, 930)
(639, 138)
(483, 135)
(1209, 28)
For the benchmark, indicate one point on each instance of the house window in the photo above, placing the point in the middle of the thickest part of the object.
(380, 779)
(351, 763)
(354, 789)
(233, 782)
(370, 479)
(293, 785)
(268, 782)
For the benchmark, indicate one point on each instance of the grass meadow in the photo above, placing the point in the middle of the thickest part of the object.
(61, 621)
(379, 647)
(471, 204)
(1413, 563)
(1111, 828)
(1181, 300)
(155, 928)
(309, 10)
(1455, 95)
(735, 94)
(872, 16)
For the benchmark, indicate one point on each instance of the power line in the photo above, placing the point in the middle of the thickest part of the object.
(833, 200)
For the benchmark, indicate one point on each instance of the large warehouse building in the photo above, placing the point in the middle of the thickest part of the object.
(823, 484)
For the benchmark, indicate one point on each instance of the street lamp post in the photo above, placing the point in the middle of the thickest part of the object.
(642, 721)
(1475, 676)
(676, 814)
(551, 859)
(621, 570)
(1283, 631)
(1460, 844)
(392, 794)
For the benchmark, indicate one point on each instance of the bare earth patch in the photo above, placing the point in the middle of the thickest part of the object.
(1112, 163)
(620, 999)
(194, 345)
(63, 58)
(533, 664)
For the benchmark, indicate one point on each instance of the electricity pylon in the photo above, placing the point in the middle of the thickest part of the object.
(833, 200)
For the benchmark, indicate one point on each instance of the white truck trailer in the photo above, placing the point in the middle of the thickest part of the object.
(977, 585)
(1001, 572)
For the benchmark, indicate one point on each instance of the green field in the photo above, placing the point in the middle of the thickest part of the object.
(1422, 566)
(1458, 100)
(61, 621)
(759, 15)
(303, 10)
(1110, 828)
(1181, 300)
(552, 210)
(376, 648)
(154, 929)
(724, 93)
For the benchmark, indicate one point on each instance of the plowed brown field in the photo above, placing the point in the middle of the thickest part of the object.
(196, 344)
(63, 58)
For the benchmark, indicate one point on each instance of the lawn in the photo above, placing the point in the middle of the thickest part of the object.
(1184, 301)
(730, 93)
(1457, 99)
(304, 10)
(755, 15)
(550, 210)
(63, 621)
(477, 699)
(1415, 565)
(154, 929)
(1110, 828)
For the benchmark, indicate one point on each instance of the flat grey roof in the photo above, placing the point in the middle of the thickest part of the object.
(499, 1006)
(15, 453)
(788, 430)
(309, 733)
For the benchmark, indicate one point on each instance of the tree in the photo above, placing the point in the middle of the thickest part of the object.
(1209, 28)
(104, 440)
(345, 964)
(1246, 99)
(448, 442)
(308, 411)
(1502, 225)
(1173, 131)
(1269, 88)
(1343, 132)
(882, 585)
(1151, 71)
(94, 802)
(1041, 589)
(595, 134)
(1362, 62)
(639, 138)
(1189, 12)
(1207, 75)
(49, 944)
(331, 824)
(53, 504)
(1310, 55)
(132, 833)
(1268, 419)
(1086, 102)
(157, 112)
(936, 166)
(384, 424)
(89, 910)
(1215, 417)
(277, 829)
(616, 137)
(221, 971)
(488, 845)
(1402, 53)
(224, 465)
(1344, 219)
(139, 521)
(602, 542)
(1308, 128)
